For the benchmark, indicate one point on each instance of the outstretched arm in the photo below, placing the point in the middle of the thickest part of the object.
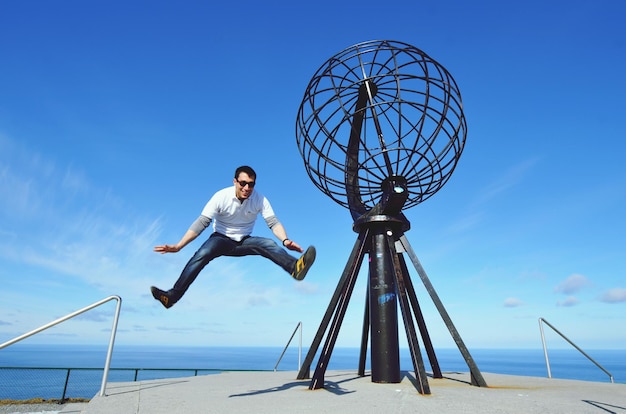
(189, 236)
(281, 234)
(194, 231)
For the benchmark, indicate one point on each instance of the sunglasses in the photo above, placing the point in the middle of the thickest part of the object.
(243, 184)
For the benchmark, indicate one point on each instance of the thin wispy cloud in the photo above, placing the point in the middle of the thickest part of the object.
(498, 188)
(507, 180)
(513, 303)
(68, 225)
(573, 284)
(568, 302)
(465, 223)
(615, 295)
(95, 316)
(307, 288)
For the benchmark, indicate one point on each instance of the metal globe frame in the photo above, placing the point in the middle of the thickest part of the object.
(381, 129)
(376, 110)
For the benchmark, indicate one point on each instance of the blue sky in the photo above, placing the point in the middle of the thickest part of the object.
(118, 120)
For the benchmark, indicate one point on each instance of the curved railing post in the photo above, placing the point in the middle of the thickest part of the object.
(545, 349)
(298, 326)
(70, 316)
(107, 364)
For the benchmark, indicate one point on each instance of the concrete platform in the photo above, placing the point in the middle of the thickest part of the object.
(345, 392)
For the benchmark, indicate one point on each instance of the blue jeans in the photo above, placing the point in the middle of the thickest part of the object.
(219, 245)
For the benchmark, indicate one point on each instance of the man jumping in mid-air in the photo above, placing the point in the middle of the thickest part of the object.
(233, 212)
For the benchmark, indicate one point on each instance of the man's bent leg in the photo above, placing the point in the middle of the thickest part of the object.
(215, 246)
(268, 248)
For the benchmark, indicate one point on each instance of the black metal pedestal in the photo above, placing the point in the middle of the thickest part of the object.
(382, 237)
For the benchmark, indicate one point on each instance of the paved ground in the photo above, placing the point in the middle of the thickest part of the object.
(42, 408)
(345, 392)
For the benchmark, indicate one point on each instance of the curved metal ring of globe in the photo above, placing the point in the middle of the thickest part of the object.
(379, 113)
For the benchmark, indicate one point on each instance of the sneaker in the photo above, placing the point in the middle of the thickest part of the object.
(304, 264)
(162, 297)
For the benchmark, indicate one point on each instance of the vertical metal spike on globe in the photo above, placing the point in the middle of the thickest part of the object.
(381, 129)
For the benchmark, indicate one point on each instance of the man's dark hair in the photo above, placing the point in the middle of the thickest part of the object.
(245, 169)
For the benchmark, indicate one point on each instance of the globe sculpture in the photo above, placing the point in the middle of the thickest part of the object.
(381, 129)
(379, 110)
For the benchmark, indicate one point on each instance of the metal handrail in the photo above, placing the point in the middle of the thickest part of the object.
(107, 363)
(298, 326)
(545, 349)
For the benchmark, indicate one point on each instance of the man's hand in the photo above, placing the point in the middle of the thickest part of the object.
(167, 248)
(292, 245)
(189, 236)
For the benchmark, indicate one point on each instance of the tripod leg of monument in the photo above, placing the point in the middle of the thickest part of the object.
(351, 270)
(419, 317)
(364, 336)
(401, 275)
(385, 354)
(342, 305)
(476, 377)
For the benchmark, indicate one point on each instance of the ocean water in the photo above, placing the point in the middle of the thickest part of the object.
(130, 361)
